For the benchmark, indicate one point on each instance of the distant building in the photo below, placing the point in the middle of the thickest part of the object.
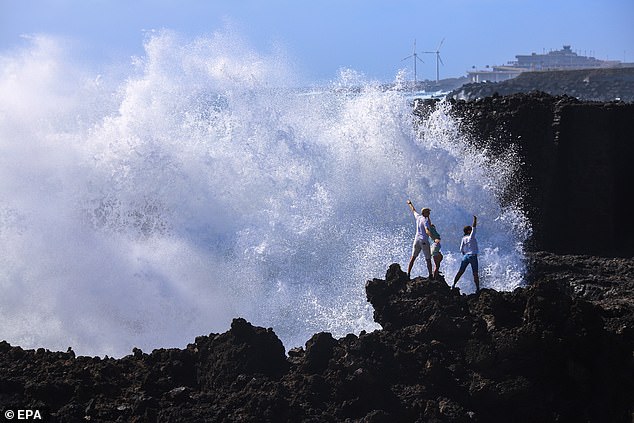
(494, 74)
(564, 59)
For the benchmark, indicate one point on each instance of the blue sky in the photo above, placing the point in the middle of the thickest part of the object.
(322, 36)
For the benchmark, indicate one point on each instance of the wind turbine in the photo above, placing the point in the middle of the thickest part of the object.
(438, 59)
(415, 56)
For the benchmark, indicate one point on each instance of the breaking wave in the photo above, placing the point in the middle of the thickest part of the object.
(156, 201)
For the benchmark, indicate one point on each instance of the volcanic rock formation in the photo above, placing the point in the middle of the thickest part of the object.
(558, 350)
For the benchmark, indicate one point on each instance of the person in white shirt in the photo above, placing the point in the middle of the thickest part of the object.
(421, 239)
(469, 250)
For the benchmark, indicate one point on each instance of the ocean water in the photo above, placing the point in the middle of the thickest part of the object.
(156, 200)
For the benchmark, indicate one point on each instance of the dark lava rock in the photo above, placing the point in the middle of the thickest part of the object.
(244, 350)
(557, 350)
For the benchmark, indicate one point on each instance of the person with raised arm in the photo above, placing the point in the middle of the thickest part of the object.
(421, 239)
(469, 250)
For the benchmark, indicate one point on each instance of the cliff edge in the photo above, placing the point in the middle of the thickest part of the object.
(575, 167)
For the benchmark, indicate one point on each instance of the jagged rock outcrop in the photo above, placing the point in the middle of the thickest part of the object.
(559, 350)
(574, 177)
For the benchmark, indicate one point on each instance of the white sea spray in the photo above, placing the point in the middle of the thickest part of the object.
(203, 185)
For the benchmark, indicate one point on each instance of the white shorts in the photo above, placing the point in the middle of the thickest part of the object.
(419, 245)
(435, 248)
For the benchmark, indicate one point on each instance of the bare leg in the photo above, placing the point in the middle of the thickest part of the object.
(431, 273)
(410, 265)
(437, 260)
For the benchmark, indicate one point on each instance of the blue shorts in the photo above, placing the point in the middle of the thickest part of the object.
(469, 259)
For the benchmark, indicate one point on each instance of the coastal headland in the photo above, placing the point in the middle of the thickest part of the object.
(559, 349)
(575, 165)
(596, 84)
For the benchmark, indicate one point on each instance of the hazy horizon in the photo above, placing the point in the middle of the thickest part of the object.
(321, 38)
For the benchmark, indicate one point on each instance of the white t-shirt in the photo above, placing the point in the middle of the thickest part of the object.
(469, 243)
(422, 222)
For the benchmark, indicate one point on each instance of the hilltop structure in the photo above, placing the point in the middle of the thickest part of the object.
(564, 59)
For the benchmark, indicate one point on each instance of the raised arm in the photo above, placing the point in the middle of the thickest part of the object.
(475, 221)
(411, 206)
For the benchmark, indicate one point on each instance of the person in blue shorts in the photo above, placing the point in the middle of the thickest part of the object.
(469, 250)
(436, 255)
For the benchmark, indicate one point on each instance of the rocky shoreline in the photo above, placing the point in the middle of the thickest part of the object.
(557, 350)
